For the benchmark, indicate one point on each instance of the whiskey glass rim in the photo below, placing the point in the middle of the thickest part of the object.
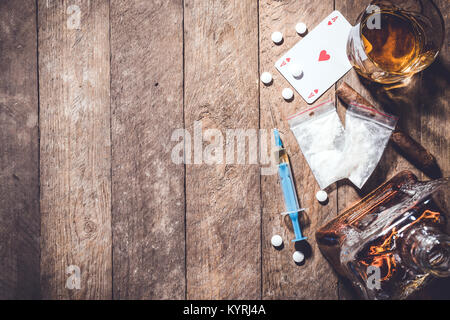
(439, 45)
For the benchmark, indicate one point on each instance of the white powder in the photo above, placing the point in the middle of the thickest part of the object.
(321, 138)
(334, 154)
(366, 139)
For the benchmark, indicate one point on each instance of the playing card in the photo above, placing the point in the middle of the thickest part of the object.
(322, 55)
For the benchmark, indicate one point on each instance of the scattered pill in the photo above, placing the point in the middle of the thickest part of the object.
(287, 93)
(276, 241)
(266, 77)
(277, 37)
(298, 256)
(321, 196)
(301, 28)
(296, 70)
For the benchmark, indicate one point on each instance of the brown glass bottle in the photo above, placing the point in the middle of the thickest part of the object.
(391, 243)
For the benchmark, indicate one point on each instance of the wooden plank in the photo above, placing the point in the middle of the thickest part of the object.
(148, 188)
(404, 102)
(75, 148)
(223, 200)
(282, 278)
(435, 132)
(434, 101)
(347, 194)
(19, 153)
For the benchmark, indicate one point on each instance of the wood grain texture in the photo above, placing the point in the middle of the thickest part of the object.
(19, 152)
(435, 131)
(405, 102)
(148, 188)
(347, 193)
(435, 96)
(114, 203)
(75, 148)
(223, 200)
(282, 278)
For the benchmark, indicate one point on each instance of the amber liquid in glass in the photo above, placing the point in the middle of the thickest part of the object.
(396, 45)
(380, 231)
(398, 279)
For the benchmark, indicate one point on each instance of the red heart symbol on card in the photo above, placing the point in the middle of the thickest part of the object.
(324, 56)
(288, 59)
(313, 93)
(330, 23)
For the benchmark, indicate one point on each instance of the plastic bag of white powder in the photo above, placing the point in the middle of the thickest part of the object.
(321, 138)
(367, 132)
(334, 153)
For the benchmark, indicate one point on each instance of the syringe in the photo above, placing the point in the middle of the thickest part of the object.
(287, 184)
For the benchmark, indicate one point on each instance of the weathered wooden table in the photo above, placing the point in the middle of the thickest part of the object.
(91, 93)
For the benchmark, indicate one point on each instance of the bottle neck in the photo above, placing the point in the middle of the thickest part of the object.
(429, 250)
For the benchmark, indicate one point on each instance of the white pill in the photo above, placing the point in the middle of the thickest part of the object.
(266, 77)
(321, 196)
(298, 256)
(276, 241)
(296, 70)
(277, 37)
(300, 28)
(287, 93)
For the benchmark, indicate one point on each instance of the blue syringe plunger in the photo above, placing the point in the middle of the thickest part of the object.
(296, 224)
(290, 196)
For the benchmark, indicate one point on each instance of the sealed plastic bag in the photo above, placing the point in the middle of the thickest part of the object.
(333, 153)
(367, 132)
(321, 138)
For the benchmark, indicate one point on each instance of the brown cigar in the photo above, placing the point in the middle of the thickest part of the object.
(408, 147)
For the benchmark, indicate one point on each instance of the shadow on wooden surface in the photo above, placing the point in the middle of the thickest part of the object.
(402, 100)
(112, 202)
(19, 153)
(436, 79)
(438, 289)
(398, 99)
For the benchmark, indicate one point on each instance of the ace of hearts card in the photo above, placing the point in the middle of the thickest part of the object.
(321, 54)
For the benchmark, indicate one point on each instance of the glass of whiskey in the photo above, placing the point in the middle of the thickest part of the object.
(393, 40)
(393, 242)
